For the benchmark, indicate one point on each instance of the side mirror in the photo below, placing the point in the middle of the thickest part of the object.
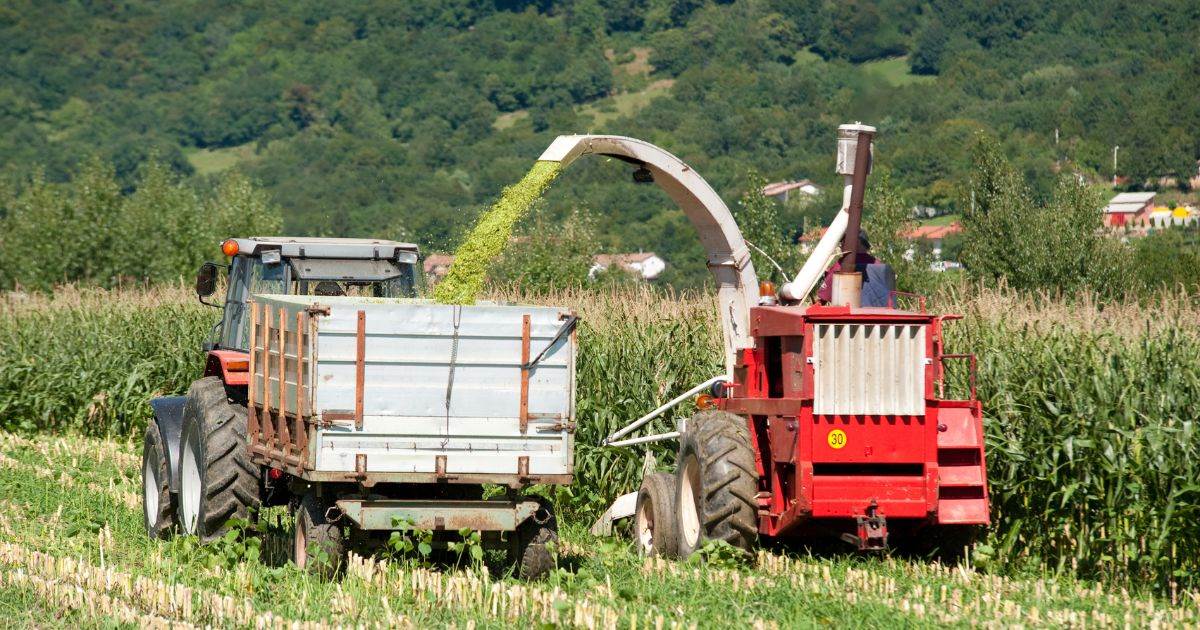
(206, 280)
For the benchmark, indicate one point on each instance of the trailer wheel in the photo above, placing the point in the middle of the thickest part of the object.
(317, 544)
(217, 480)
(158, 506)
(656, 518)
(535, 537)
(716, 483)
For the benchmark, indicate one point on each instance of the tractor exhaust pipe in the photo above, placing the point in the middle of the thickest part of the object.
(854, 149)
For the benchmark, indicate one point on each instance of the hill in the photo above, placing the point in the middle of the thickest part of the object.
(405, 119)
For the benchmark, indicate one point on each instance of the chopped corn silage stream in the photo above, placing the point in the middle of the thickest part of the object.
(487, 239)
(81, 553)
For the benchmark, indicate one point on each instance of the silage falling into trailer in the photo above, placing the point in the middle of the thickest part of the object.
(489, 236)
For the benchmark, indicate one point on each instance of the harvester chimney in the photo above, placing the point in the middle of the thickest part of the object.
(854, 163)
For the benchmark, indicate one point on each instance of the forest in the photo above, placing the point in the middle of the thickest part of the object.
(405, 120)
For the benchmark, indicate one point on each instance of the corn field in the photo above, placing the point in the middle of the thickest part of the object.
(1090, 408)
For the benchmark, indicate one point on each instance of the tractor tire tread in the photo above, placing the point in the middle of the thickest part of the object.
(230, 479)
(728, 507)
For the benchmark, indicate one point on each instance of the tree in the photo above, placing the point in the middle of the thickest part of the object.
(1058, 245)
(771, 247)
(552, 256)
(888, 221)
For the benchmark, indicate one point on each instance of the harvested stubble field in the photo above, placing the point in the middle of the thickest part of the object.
(1094, 459)
(72, 552)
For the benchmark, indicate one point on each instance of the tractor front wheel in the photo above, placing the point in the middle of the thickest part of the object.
(716, 483)
(158, 506)
(656, 517)
(217, 480)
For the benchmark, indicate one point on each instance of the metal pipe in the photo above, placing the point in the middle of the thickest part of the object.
(847, 160)
(642, 440)
(862, 165)
(658, 412)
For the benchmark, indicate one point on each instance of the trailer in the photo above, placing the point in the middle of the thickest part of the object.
(367, 414)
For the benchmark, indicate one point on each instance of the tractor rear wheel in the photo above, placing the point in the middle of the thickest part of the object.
(716, 483)
(217, 480)
(318, 545)
(158, 506)
(656, 518)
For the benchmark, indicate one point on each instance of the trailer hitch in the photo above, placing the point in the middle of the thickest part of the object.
(872, 530)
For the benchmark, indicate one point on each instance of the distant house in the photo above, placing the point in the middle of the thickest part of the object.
(645, 265)
(935, 234)
(437, 266)
(1128, 208)
(782, 191)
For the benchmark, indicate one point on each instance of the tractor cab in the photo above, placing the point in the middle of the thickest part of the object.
(296, 266)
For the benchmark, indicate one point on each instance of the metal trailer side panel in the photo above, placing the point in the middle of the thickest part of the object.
(441, 388)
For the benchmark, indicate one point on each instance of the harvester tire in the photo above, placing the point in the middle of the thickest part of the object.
(716, 483)
(158, 505)
(536, 538)
(656, 517)
(318, 545)
(217, 480)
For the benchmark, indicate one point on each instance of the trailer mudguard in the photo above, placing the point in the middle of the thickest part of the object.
(168, 413)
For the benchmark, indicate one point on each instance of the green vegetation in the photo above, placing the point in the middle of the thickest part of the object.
(491, 234)
(87, 230)
(73, 553)
(1093, 453)
(382, 120)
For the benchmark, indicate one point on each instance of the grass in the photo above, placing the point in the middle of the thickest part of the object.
(625, 104)
(75, 557)
(209, 161)
(894, 71)
(945, 219)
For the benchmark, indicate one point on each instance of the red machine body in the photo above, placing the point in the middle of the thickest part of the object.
(850, 426)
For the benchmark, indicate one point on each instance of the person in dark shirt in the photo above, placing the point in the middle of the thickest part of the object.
(825, 294)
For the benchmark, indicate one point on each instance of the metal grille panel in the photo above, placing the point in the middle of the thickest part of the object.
(876, 369)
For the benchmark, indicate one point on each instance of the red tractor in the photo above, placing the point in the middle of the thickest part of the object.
(831, 417)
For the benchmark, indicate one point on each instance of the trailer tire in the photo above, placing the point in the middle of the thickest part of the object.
(217, 480)
(313, 532)
(656, 517)
(535, 539)
(716, 483)
(158, 505)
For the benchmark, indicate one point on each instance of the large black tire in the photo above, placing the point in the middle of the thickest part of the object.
(158, 505)
(217, 480)
(656, 518)
(318, 546)
(535, 537)
(716, 483)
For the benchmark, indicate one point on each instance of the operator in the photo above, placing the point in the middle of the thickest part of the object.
(864, 258)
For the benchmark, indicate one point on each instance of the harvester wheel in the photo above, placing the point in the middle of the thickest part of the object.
(536, 538)
(158, 506)
(217, 480)
(318, 545)
(716, 483)
(656, 518)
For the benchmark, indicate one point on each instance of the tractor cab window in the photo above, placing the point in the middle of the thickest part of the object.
(247, 276)
(357, 278)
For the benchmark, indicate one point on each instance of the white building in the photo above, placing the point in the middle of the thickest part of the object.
(645, 265)
(782, 191)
